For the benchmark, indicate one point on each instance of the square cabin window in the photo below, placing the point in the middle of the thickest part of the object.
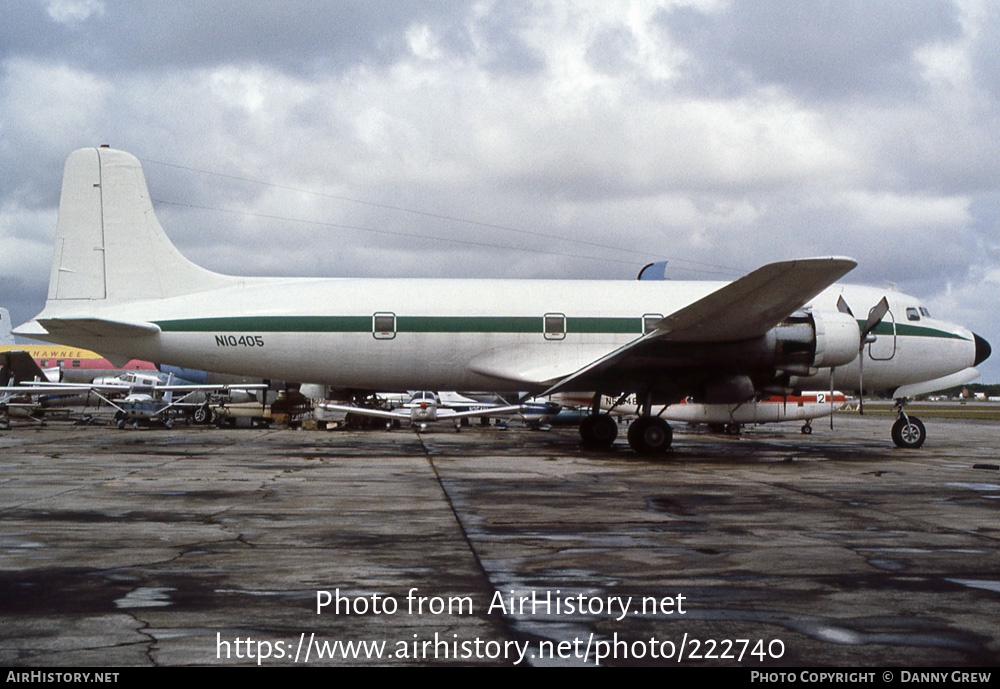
(384, 326)
(555, 326)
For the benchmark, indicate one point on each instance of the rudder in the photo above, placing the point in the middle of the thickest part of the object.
(109, 243)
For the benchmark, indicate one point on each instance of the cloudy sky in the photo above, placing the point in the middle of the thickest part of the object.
(523, 139)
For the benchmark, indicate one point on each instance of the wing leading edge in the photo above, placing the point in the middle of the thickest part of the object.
(743, 309)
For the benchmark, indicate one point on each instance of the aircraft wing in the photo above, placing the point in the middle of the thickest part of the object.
(399, 413)
(227, 387)
(744, 309)
(405, 413)
(755, 303)
(10, 391)
(445, 414)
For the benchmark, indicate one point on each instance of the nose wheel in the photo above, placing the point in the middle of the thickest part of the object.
(908, 432)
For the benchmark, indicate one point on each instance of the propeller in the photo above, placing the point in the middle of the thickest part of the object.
(866, 336)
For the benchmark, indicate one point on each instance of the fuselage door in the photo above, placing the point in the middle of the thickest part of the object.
(884, 346)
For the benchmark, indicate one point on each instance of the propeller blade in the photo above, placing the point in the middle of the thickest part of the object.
(831, 397)
(843, 307)
(875, 317)
(861, 380)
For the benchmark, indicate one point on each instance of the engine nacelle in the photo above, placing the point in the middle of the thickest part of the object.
(837, 339)
(807, 341)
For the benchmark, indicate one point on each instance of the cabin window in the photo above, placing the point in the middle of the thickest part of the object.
(649, 322)
(43, 362)
(912, 314)
(76, 363)
(555, 326)
(384, 326)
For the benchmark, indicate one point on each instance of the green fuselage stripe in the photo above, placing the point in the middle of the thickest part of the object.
(907, 330)
(404, 324)
(455, 324)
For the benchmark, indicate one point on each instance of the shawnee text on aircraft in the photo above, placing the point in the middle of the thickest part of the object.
(72, 364)
(728, 417)
(424, 407)
(780, 329)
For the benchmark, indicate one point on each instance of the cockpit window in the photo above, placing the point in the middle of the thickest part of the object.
(924, 312)
(912, 314)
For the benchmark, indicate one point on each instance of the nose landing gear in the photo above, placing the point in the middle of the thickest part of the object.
(908, 432)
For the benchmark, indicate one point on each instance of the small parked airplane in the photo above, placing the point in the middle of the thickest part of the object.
(425, 407)
(120, 287)
(138, 397)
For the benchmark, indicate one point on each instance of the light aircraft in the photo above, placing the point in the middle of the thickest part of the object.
(424, 407)
(138, 397)
(120, 287)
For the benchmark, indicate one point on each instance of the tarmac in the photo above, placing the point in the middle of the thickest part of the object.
(203, 546)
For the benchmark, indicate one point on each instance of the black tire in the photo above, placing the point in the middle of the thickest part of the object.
(908, 432)
(598, 431)
(807, 429)
(202, 415)
(650, 436)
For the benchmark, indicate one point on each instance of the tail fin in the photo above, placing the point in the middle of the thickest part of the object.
(6, 338)
(109, 244)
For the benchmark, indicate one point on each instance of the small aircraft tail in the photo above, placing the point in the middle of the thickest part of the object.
(6, 338)
(109, 244)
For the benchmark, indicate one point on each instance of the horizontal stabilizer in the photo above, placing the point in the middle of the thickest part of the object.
(65, 329)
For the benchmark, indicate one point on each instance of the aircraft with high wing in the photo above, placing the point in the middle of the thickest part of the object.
(139, 397)
(120, 287)
(425, 406)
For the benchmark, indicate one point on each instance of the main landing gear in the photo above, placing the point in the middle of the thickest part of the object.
(648, 435)
(598, 431)
(908, 432)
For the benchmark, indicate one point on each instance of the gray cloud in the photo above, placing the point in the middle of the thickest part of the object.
(817, 50)
(581, 140)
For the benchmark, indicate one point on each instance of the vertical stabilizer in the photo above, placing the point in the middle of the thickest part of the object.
(109, 244)
(78, 262)
(6, 338)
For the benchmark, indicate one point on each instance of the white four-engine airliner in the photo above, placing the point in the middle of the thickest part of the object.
(120, 287)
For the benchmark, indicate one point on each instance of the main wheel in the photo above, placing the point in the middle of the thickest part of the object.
(650, 435)
(908, 432)
(598, 431)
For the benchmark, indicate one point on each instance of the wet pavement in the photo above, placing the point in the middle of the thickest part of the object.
(199, 546)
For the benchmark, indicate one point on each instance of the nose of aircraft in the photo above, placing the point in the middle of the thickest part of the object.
(983, 349)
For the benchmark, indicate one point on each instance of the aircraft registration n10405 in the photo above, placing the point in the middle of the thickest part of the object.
(118, 286)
